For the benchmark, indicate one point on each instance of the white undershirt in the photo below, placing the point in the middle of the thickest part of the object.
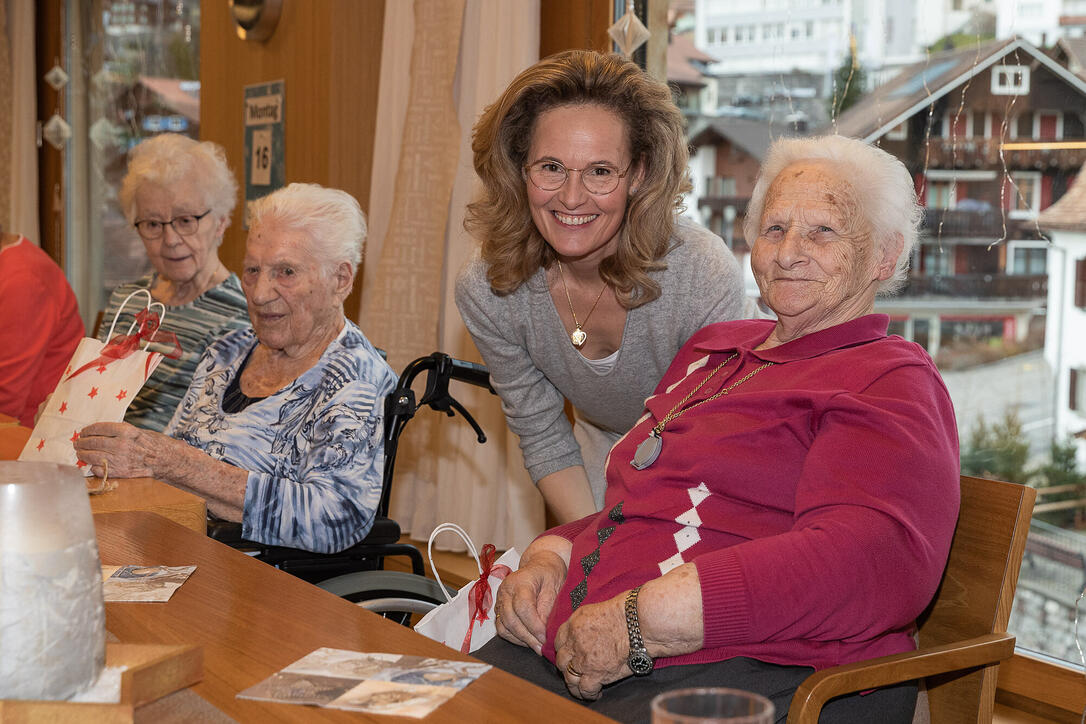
(602, 366)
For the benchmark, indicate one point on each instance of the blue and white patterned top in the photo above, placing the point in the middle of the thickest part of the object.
(314, 450)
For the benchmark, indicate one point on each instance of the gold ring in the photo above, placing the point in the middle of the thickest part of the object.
(572, 671)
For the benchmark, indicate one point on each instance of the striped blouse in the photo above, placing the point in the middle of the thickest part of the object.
(197, 324)
(314, 450)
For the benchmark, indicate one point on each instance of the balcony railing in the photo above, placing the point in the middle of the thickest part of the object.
(976, 225)
(983, 153)
(978, 286)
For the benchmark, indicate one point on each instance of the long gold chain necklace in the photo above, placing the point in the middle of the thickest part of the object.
(578, 336)
(650, 447)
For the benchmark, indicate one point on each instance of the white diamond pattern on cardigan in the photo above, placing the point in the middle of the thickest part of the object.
(688, 535)
(695, 365)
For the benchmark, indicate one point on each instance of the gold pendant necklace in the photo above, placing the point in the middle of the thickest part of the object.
(578, 335)
(650, 447)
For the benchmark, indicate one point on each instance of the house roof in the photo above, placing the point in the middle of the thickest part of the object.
(1069, 213)
(1074, 50)
(680, 51)
(918, 86)
(178, 100)
(754, 137)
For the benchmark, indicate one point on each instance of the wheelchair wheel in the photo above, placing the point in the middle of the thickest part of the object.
(396, 595)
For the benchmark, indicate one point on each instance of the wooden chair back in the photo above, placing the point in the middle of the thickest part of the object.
(976, 593)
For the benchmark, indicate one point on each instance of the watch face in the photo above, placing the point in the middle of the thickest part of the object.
(640, 663)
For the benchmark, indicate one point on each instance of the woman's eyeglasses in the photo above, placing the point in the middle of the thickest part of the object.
(184, 225)
(598, 179)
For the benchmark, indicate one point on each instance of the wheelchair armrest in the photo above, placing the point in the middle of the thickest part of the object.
(225, 531)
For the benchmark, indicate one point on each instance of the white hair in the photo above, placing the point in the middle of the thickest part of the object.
(332, 219)
(883, 188)
(165, 159)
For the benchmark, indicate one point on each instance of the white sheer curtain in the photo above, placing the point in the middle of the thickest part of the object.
(19, 155)
(442, 473)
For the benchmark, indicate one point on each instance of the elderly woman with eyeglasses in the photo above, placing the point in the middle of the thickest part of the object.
(587, 282)
(282, 427)
(179, 194)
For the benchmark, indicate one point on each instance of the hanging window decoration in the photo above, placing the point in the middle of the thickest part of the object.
(56, 77)
(56, 131)
(629, 33)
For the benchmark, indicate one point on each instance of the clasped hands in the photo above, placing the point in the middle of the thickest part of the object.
(590, 648)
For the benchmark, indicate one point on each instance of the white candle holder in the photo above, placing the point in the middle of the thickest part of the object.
(52, 620)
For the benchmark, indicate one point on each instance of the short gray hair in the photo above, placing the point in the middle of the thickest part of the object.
(165, 159)
(332, 219)
(883, 188)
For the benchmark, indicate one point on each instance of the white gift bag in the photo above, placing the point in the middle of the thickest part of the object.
(99, 383)
(466, 622)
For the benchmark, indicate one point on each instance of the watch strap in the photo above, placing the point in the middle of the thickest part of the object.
(639, 661)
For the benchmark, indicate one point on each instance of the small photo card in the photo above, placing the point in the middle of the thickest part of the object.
(142, 583)
(411, 686)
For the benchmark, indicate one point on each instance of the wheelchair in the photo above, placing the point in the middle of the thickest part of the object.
(356, 573)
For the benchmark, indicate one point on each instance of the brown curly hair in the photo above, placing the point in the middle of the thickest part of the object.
(501, 219)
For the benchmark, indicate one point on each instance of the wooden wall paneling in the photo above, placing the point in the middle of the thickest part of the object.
(50, 46)
(354, 82)
(328, 53)
(566, 24)
(228, 64)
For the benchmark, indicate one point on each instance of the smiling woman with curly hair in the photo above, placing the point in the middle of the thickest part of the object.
(587, 282)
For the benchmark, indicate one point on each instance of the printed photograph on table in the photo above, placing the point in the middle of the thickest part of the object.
(378, 683)
(142, 583)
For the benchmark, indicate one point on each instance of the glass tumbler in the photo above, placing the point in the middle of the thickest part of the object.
(52, 620)
(711, 706)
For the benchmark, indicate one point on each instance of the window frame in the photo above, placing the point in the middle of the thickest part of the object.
(1021, 245)
(1042, 679)
(1002, 80)
(1014, 192)
(1080, 283)
(1037, 114)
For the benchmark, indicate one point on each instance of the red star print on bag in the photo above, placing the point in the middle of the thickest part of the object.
(99, 385)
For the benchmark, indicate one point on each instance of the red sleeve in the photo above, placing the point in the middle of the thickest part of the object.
(570, 530)
(881, 476)
(24, 336)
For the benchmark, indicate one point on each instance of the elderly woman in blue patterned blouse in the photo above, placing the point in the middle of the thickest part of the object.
(281, 427)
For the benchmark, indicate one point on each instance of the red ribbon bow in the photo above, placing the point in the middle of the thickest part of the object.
(123, 345)
(480, 598)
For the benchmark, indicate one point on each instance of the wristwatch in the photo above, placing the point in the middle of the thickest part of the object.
(639, 661)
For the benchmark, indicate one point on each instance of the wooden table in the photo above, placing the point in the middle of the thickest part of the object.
(12, 437)
(253, 620)
(131, 494)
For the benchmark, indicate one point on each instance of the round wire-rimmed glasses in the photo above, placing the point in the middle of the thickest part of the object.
(184, 225)
(599, 179)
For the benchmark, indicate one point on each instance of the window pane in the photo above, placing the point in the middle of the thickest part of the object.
(141, 79)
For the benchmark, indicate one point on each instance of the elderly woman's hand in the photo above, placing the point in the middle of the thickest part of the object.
(592, 646)
(128, 451)
(527, 595)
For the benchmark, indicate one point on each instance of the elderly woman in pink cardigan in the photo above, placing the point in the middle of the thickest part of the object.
(787, 500)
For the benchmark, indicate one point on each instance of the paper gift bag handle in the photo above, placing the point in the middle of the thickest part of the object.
(453, 528)
(150, 304)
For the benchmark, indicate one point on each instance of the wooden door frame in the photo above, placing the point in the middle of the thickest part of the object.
(49, 46)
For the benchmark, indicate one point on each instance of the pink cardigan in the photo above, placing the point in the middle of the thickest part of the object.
(817, 499)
